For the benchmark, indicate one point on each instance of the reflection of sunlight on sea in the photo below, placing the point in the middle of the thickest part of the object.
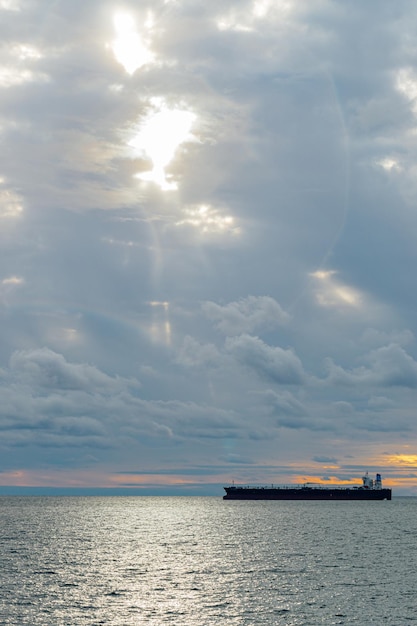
(181, 560)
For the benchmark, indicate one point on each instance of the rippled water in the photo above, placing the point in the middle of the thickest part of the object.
(201, 561)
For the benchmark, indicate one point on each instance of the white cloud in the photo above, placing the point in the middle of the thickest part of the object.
(389, 164)
(10, 5)
(11, 204)
(389, 366)
(193, 353)
(280, 366)
(207, 219)
(47, 369)
(407, 85)
(246, 315)
(12, 280)
(12, 76)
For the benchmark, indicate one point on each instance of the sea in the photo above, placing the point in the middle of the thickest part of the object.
(190, 561)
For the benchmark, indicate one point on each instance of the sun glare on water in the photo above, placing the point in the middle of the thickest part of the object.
(159, 136)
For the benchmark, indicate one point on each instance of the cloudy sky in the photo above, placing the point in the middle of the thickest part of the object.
(208, 229)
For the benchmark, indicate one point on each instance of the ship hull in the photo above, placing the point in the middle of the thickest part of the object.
(303, 493)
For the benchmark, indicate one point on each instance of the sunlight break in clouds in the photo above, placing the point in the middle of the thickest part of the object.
(11, 76)
(207, 219)
(129, 48)
(331, 293)
(12, 280)
(10, 202)
(160, 330)
(261, 8)
(159, 137)
(407, 83)
(23, 51)
(10, 5)
(16, 70)
(404, 459)
(389, 164)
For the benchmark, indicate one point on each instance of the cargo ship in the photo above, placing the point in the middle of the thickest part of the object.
(369, 490)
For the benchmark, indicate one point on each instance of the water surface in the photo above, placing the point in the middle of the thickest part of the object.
(199, 561)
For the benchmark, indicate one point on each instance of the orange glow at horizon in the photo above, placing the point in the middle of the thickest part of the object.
(100, 480)
(53, 478)
(144, 480)
(332, 480)
(403, 459)
(173, 480)
(108, 479)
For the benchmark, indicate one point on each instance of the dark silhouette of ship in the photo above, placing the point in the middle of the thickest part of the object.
(369, 490)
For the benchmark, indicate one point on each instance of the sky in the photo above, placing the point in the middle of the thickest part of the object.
(208, 243)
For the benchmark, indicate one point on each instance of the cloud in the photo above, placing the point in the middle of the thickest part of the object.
(389, 366)
(247, 315)
(285, 403)
(207, 231)
(380, 403)
(193, 353)
(325, 459)
(46, 369)
(10, 5)
(10, 202)
(332, 293)
(49, 402)
(273, 363)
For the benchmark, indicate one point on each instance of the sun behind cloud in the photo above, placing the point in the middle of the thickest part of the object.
(129, 48)
(158, 137)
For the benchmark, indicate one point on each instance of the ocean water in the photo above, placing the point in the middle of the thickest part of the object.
(200, 561)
